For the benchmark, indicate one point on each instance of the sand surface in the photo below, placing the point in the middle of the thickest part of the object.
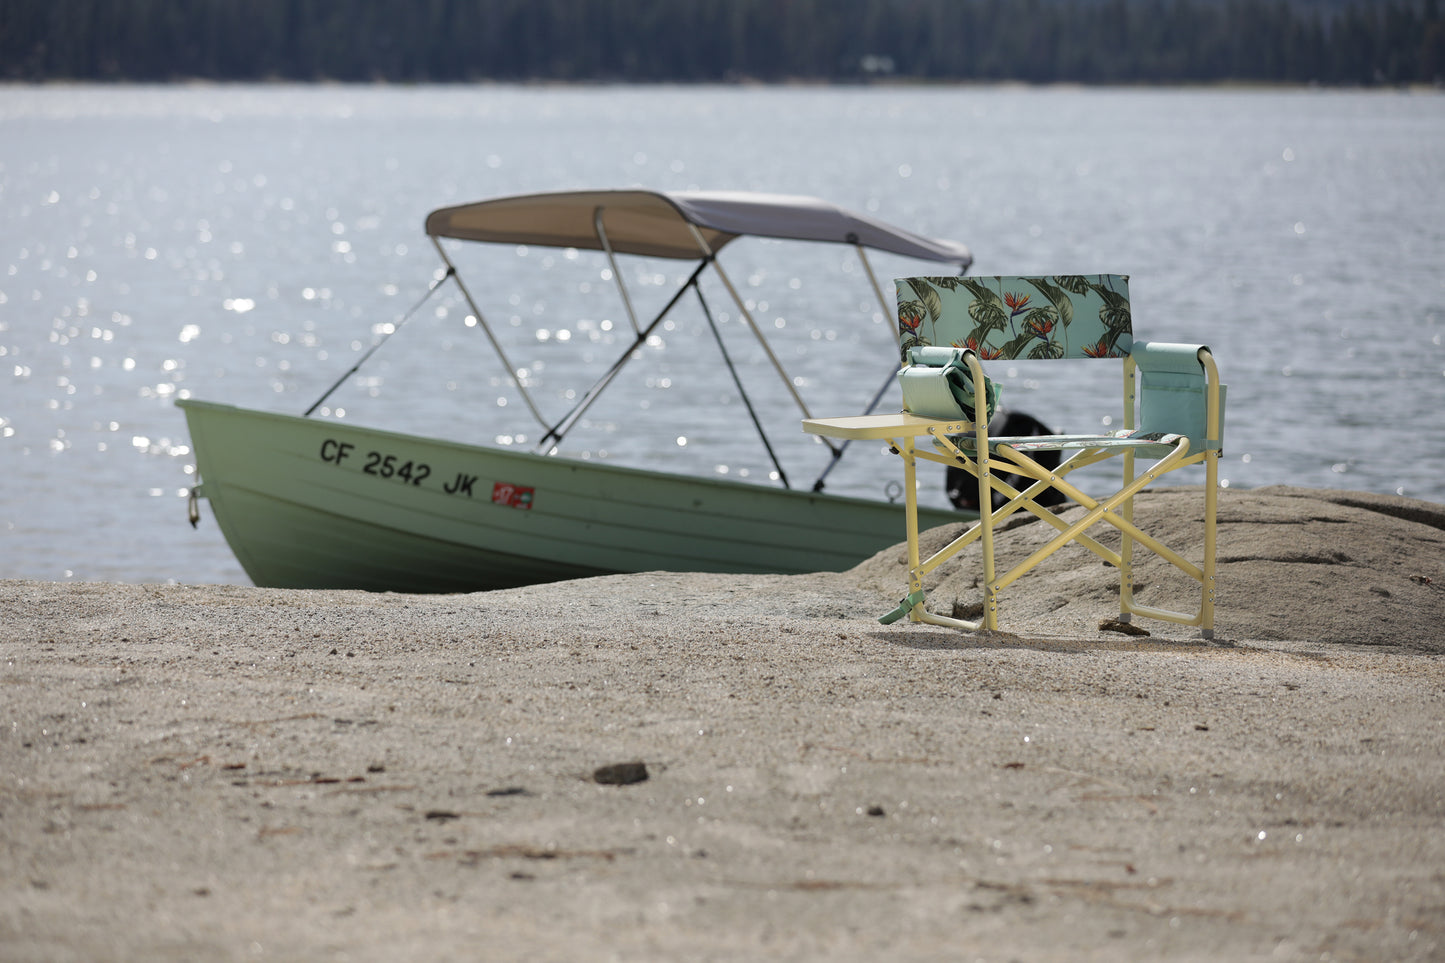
(223, 773)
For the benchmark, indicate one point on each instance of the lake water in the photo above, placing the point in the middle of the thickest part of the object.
(247, 244)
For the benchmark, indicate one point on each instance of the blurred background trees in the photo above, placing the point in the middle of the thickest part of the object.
(1034, 41)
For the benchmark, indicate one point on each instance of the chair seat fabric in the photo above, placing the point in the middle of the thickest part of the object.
(1131, 438)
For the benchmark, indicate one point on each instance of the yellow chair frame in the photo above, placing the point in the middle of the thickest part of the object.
(1172, 414)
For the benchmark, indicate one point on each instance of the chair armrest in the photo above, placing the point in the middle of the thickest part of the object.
(899, 425)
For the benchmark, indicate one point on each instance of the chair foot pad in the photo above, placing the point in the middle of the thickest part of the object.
(904, 607)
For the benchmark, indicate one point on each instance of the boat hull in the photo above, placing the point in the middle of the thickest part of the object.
(313, 503)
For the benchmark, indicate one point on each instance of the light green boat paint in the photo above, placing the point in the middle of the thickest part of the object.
(300, 510)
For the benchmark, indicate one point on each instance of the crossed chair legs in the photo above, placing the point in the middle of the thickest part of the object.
(1117, 509)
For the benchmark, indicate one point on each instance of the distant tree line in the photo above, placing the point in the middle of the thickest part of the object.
(1037, 41)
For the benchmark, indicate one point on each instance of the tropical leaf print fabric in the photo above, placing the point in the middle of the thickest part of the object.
(1064, 316)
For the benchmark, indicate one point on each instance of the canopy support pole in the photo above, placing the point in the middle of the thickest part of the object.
(555, 434)
(752, 325)
(742, 392)
(883, 305)
(487, 330)
(612, 260)
(451, 272)
(873, 280)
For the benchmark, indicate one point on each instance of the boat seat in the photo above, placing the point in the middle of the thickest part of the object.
(1172, 418)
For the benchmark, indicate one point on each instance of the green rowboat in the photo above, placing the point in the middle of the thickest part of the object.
(312, 503)
(308, 502)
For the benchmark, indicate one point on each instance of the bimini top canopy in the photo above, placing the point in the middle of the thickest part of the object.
(656, 223)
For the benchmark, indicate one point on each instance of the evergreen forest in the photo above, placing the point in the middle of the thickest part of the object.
(1331, 42)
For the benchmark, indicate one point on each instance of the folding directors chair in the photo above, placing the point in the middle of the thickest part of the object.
(1173, 416)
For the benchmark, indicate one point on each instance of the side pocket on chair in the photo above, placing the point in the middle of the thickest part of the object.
(936, 384)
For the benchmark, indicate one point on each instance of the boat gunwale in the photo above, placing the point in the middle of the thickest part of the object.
(562, 460)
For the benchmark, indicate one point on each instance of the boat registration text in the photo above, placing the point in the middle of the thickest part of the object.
(411, 472)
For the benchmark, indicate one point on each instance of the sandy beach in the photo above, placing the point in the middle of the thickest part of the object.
(671, 766)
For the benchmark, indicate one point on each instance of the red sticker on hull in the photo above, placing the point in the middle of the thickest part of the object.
(513, 496)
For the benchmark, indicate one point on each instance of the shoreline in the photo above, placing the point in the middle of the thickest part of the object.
(223, 772)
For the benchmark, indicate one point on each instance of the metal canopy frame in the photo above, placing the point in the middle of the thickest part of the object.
(724, 217)
(555, 432)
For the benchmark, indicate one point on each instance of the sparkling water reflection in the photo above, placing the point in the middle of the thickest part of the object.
(247, 244)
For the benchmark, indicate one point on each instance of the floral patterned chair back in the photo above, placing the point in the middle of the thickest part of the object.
(1064, 316)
